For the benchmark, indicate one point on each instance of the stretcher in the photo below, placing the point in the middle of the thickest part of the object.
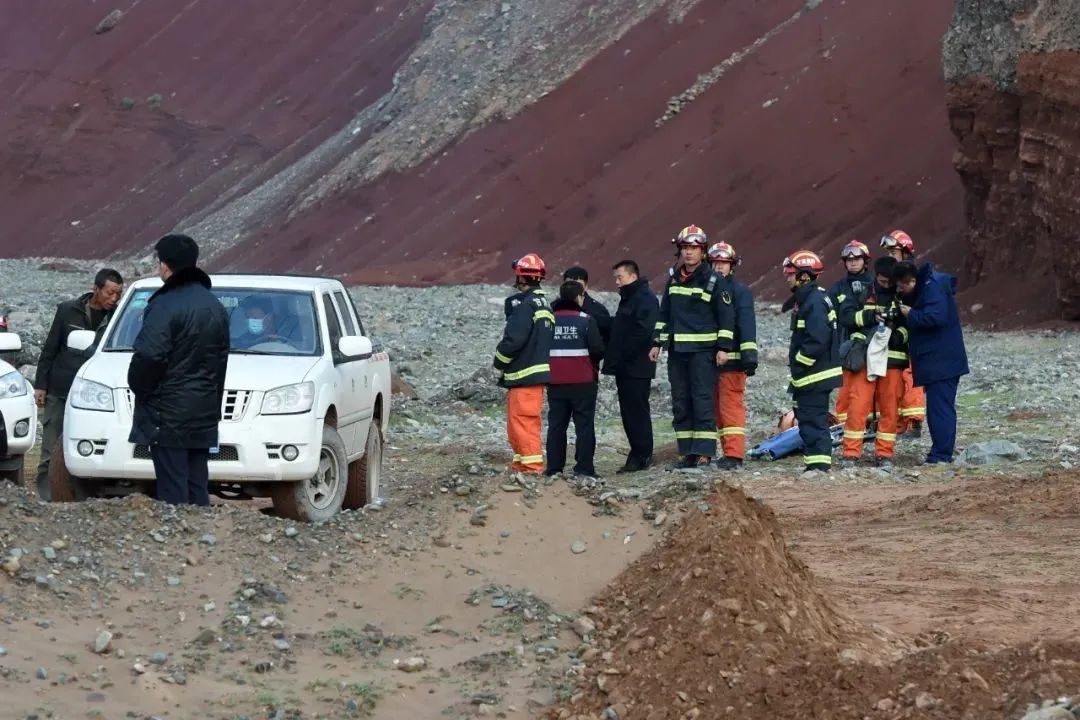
(788, 442)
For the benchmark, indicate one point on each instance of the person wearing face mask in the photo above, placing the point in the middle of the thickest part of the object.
(259, 325)
(177, 374)
(899, 245)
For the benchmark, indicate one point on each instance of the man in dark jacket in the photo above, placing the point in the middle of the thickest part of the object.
(522, 358)
(731, 383)
(697, 326)
(626, 356)
(58, 363)
(813, 357)
(592, 307)
(177, 373)
(576, 351)
(936, 346)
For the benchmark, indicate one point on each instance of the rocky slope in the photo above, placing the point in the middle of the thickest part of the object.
(1014, 74)
(315, 137)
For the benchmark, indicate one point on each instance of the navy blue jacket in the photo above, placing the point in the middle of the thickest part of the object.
(627, 351)
(177, 370)
(935, 339)
(522, 355)
(814, 353)
(745, 356)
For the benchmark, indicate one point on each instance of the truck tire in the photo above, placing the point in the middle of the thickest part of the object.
(318, 498)
(63, 486)
(365, 474)
(14, 473)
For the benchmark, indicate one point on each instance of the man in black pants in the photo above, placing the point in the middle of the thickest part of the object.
(626, 357)
(576, 350)
(177, 373)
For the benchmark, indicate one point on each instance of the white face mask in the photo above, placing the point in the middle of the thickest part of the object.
(255, 326)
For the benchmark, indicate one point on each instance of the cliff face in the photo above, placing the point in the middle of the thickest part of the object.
(1014, 108)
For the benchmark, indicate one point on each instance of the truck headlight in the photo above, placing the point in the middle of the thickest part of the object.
(289, 399)
(12, 385)
(89, 395)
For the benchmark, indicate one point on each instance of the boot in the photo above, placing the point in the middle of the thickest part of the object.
(885, 464)
(728, 463)
(915, 430)
(847, 464)
(686, 462)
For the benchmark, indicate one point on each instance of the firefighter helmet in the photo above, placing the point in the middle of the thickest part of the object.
(855, 249)
(691, 235)
(803, 261)
(900, 239)
(724, 252)
(530, 266)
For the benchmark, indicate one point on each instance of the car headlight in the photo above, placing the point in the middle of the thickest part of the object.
(289, 399)
(89, 395)
(12, 385)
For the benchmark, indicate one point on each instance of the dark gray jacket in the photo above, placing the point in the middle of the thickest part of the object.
(178, 367)
(58, 364)
(627, 352)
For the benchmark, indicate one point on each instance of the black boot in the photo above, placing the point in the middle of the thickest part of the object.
(728, 463)
(686, 462)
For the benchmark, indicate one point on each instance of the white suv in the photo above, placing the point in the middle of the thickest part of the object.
(18, 414)
(305, 411)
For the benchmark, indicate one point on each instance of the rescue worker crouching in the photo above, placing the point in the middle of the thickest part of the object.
(853, 290)
(880, 397)
(521, 357)
(576, 351)
(813, 358)
(899, 245)
(697, 327)
(730, 396)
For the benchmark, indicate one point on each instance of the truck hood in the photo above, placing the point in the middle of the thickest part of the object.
(246, 372)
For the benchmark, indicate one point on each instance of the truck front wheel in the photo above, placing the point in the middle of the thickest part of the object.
(318, 498)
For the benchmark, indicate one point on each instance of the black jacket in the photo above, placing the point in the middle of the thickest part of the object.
(814, 353)
(522, 355)
(696, 313)
(58, 363)
(178, 366)
(883, 301)
(849, 295)
(745, 356)
(627, 352)
(596, 310)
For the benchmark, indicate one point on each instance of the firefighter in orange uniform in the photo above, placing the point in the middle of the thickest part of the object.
(741, 363)
(854, 286)
(521, 358)
(898, 244)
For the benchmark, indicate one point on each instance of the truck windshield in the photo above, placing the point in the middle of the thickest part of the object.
(261, 322)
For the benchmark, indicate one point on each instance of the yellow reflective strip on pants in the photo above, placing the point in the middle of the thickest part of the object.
(897, 355)
(800, 358)
(725, 334)
(800, 323)
(694, 337)
(817, 459)
(817, 377)
(661, 325)
(534, 370)
(704, 434)
(529, 459)
(887, 437)
(502, 358)
(855, 434)
(684, 434)
(907, 412)
(748, 346)
(731, 431)
(543, 315)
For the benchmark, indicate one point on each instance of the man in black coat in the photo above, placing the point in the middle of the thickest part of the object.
(627, 358)
(592, 307)
(177, 373)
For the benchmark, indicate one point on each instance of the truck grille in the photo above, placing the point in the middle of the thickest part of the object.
(228, 453)
(233, 404)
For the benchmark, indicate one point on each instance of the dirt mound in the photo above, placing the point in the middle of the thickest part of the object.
(1056, 493)
(719, 620)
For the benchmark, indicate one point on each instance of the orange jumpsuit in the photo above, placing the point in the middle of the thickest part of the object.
(913, 404)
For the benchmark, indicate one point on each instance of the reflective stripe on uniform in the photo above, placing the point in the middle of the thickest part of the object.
(832, 315)
(528, 459)
(854, 434)
(533, 370)
(690, 292)
(725, 334)
(817, 377)
(543, 315)
(840, 298)
(887, 437)
(857, 336)
(800, 358)
(664, 337)
(502, 358)
(734, 356)
(695, 435)
(695, 337)
(748, 346)
(841, 418)
(575, 352)
(661, 325)
(800, 324)
(817, 459)
(730, 431)
(907, 412)
(903, 332)
(897, 355)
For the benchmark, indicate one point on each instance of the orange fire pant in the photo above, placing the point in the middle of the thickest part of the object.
(913, 404)
(523, 408)
(842, 397)
(731, 413)
(885, 392)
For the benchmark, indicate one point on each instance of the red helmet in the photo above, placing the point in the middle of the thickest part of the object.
(530, 266)
(691, 235)
(803, 261)
(900, 239)
(724, 252)
(855, 249)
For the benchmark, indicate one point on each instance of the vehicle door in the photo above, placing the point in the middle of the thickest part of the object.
(349, 377)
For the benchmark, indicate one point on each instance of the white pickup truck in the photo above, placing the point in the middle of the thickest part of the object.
(305, 411)
(18, 414)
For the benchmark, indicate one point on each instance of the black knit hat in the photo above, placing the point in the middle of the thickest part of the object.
(179, 252)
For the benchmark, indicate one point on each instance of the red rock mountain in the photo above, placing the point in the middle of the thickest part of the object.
(432, 141)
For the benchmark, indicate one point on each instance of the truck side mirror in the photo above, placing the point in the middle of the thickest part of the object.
(355, 347)
(10, 342)
(80, 339)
